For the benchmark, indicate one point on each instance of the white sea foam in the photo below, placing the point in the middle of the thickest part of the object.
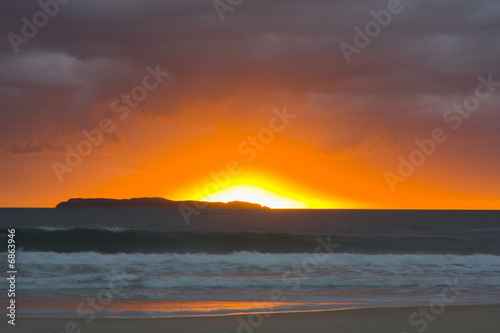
(253, 270)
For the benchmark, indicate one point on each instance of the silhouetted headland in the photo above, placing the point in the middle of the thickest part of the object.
(153, 203)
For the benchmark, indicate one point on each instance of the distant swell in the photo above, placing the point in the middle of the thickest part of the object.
(132, 241)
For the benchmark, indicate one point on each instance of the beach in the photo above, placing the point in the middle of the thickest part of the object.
(102, 270)
(456, 319)
(146, 263)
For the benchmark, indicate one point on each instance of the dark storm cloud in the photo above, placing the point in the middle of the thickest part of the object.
(91, 51)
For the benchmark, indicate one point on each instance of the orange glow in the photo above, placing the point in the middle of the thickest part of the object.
(258, 187)
(254, 194)
(291, 171)
(284, 103)
(199, 307)
(195, 306)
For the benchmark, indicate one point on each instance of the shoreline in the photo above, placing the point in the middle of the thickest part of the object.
(454, 318)
(166, 315)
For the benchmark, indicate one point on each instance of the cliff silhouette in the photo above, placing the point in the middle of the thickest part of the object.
(153, 203)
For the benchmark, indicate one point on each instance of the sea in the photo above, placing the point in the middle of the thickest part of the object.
(120, 262)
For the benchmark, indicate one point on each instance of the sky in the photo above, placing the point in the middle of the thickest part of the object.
(319, 104)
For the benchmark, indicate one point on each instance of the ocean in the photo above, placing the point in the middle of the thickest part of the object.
(150, 263)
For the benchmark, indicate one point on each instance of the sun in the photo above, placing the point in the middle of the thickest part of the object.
(254, 194)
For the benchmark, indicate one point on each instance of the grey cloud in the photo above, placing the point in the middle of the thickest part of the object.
(93, 50)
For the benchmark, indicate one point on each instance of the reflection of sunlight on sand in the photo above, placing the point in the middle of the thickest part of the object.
(195, 306)
(173, 308)
(198, 307)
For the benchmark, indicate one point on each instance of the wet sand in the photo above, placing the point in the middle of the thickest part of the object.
(454, 319)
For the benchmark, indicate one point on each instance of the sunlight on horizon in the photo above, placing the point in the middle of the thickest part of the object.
(254, 194)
